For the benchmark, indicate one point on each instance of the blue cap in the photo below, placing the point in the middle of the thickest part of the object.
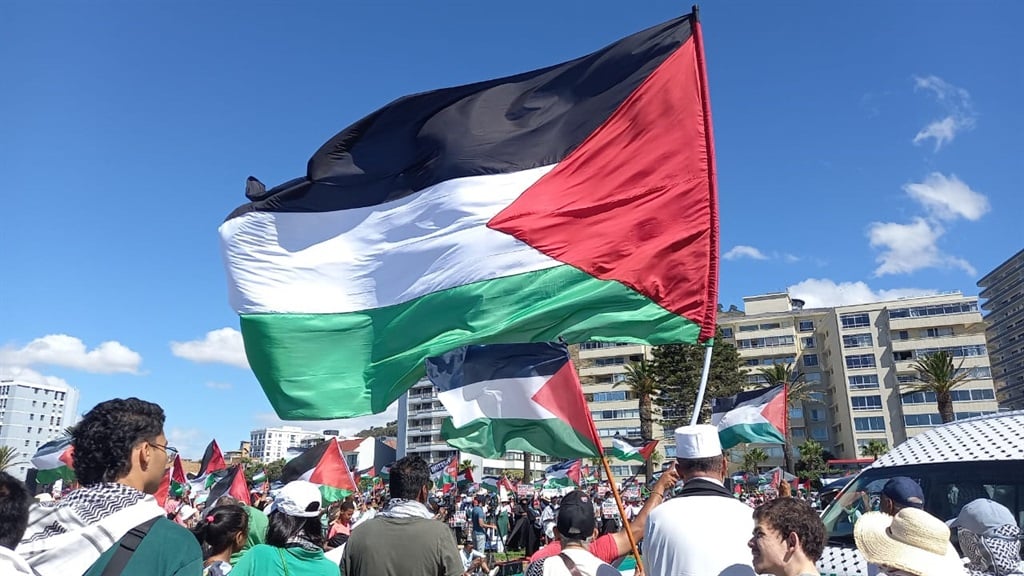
(904, 492)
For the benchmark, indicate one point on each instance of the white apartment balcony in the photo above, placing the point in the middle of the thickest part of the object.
(919, 322)
(611, 350)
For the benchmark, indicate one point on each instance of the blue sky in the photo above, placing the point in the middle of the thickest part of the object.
(864, 151)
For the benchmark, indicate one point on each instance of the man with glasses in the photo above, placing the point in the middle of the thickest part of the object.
(120, 458)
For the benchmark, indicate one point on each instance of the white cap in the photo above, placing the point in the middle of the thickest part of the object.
(699, 441)
(297, 498)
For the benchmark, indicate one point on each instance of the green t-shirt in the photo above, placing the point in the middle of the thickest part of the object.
(266, 560)
(258, 524)
(167, 550)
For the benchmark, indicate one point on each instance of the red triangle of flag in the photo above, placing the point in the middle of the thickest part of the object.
(332, 470)
(635, 202)
(239, 487)
(562, 395)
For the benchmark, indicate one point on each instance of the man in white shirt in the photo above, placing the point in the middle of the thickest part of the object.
(704, 531)
(473, 561)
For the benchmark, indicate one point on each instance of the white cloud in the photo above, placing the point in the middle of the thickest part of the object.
(220, 385)
(28, 375)
(742, 251)
(955, 101)
(70, 352)
(910, 247)
(948, 198)
(825, 293)
(347, 427)
(792, 259)
(223, 346)
(190, 442)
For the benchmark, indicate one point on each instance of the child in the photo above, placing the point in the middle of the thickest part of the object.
(222, 531)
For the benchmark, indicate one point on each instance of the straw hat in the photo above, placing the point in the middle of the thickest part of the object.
(912, 540)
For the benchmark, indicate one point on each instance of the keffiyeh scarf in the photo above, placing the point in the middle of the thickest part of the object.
(404, 508)
(997, 554)
(68, 536)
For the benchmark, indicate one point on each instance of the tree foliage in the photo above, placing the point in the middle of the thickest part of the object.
(813, 462)
(466, 464)
(936, 373)
(752, 460)
(874, 449)
(677, 370)
(388, 430)
(252, 467)
(9, 458)
(640, 380)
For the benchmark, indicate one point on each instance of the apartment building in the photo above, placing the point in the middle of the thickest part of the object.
(859, 360)
(1003, 291)
(270, 444)
(31, 415)
(616, 412)
(425, 413)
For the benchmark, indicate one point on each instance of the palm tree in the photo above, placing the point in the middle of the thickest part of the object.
(874, 449)
(936, 373)
(798, 391)
(466, 464)
(9, 458)
(752, 460)
(641, 381)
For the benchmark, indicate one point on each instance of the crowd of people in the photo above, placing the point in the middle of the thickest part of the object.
(111, 524)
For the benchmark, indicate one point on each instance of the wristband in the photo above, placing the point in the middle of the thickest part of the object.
(659, 494)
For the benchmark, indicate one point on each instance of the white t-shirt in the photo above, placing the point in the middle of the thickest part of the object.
(699, 536)
(467, 559)
(587, 563)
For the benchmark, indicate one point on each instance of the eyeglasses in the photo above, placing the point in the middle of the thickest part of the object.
(170, 450)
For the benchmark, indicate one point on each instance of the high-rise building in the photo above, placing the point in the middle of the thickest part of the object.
(270, 444)
(1003, 291)
(31, 415)
(423, 436)
(859, 361)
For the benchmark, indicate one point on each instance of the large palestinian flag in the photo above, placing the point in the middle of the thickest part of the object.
(324, 465)
(575, 201)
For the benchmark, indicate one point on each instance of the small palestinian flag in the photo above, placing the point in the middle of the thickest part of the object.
(231, 484)
(444, 473)
(465, 479)
(324, 465)
(575, 201)
(259, 476)
(53, 461)
(753, 416)
(490, 483)
(563, 475)
(635, 450)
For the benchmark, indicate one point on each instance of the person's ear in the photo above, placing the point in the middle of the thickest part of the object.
(145, 455)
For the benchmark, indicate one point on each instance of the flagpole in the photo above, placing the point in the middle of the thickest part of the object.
(622, 509)
(703, 386)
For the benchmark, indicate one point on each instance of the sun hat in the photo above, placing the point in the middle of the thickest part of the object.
(297, 499)
(913, 541)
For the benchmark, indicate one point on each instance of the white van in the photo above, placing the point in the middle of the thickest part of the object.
(955, 463)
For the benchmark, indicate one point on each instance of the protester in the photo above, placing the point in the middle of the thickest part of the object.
(342, 523)
(911, 542)
(120, 458)
(503, 520)
(900, 492)
(474, 562)
(789, 537)
(479, 524)
(990, 538)
(404, 539)
(611, 547)
(703, 531)
(221, 533)
(294, 537)
(575, 526)
(256, 533)
(14, 505)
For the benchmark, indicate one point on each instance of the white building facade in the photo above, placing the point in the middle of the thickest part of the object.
(270, 444)
(1003, 291)
(31, 415)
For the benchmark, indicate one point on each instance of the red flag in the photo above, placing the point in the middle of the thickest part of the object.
(213, 460)
(164, 489)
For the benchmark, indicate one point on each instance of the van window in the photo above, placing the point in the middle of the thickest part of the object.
(947, 488)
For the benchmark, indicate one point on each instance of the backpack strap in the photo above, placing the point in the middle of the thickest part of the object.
(126, 547)
(570, 565)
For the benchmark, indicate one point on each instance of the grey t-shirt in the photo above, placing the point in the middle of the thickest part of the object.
(401, 547)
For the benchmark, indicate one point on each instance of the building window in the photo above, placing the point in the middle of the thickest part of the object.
(749, 328)
(903, 335)
(796, 413)
(869, 424)
(860, 361)
(935, 310)
(956, 351)
(860, 320)
(866, 402)
(857, 341)
(808, 341)
(770, 326)
(812, 377)
(670, 451)
(819, 434)
(769, 342)
(798, 433)
(906, 378)
(727, 332)
(806, 326)
(917, 420)
(902, 355)
(751, 362)
(609, 396)
(863, 382)
(810, 359)
(617, 361)
(940, 332)
(817, 415)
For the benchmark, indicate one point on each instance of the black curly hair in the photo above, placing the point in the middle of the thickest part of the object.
(105, 437)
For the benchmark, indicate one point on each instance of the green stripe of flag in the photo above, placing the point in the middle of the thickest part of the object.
(490, 438)
(296, 359)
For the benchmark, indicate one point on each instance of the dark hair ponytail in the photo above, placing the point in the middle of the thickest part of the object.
(218, 527)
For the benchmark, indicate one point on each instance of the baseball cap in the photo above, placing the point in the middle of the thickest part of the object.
(981, 516)
(904, 492)
(576, 516)
(297, 499)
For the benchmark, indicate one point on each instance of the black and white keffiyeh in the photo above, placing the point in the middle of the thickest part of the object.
(997, 554)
